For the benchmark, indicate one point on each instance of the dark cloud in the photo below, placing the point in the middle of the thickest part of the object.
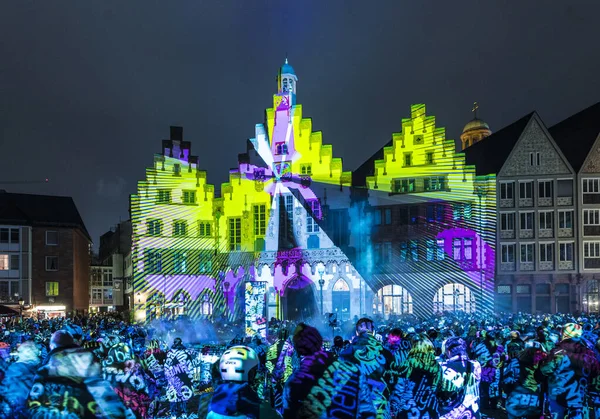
(88, 89)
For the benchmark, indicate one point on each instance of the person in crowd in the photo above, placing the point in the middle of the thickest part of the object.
(461, 379)
(179, 374)
(570, 368)
(490, 355)
(71, 382)
(18, 380)
(235, 397)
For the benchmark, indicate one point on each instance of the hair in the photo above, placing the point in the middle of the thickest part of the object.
(307, 340)
(60, 339)
(421, 344)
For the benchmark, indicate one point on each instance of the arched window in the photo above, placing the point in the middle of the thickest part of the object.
(454, 297)
(393, 299)
(341, 285)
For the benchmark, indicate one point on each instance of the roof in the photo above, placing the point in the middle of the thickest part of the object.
(576, 135)
(359, 176)
(489, 154)
(40, 210)
(475, 124)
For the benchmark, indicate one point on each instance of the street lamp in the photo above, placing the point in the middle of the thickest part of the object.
(321, 284)
(21, 305)
(226, 284)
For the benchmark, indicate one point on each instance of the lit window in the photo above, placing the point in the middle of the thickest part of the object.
(4, 266)
(51, 289)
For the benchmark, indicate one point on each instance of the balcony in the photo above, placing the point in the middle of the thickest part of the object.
(527, 266)
(546, 233)
(564, 200)
(507, 266)
(565, 232)
(507, 203)
(547, 266)
(544, 202)
(525, 202)
(565, 265)
(507, 234)
(526, 234)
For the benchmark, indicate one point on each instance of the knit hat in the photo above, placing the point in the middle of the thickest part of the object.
(572, 331)
(307, 340)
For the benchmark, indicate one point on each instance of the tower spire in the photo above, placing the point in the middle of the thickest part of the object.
(474, 110)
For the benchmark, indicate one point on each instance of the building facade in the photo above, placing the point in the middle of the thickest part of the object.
(410, 229)
(537, 262)
(45, 238)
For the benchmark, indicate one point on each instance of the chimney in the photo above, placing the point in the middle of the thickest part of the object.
(176, 133)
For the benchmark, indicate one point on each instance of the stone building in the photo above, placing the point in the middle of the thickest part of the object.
(44, 254)
(475, 130)
(578, 138)
(536, 260)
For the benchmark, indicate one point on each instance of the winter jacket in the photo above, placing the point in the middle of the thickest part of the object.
(460, 385)
(238, 400)
(71, 382)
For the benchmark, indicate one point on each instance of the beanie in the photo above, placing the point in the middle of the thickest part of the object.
(572, 331)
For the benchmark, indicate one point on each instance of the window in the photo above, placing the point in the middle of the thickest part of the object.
(281, 148)
(4, 266)
(565, 252)
(436, 183)
(591, 191)
(312, 216)
(51, 238)
(387, 213)
(431, 249)
(546, 252)
(506, 190)
(441, 254)
(507, 221)
(462, 211)
(235, 234)
(503, 289)
(527, 252)
(154, 263)
(154, 227)
(14, 262)
(534, 158)
(564, 188)
(179, 228)
(52, 263)
(306, 169)
(189, 197)
(429, 157)
(51, 289)
(591, 217)
(177, 169)
(4, 235)
(523, 289)
(546, 220)
(463, 249)
(393, 299)
(205, 265)
(591, 255)
(14, 235)
(526, 221)
(404, 185)
(260, 219)
(180, 262)
(508, 253)
(107, 278)
(385, 252)
(565, 219)
(414, 250)
(204, 228)
(526, 190)
(545, 189)
(377, 215)
(164, 196)
(407, 159)
(413, 215)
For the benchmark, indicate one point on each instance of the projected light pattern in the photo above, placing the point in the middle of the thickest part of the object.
(413, 216)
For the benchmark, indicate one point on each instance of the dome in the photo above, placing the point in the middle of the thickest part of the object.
(286, 68)
(475, 124)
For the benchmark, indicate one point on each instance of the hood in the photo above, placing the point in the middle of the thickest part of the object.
(74, 364)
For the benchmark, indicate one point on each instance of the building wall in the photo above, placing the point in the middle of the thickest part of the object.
(530, 281)
(15, 251)
(81, 271)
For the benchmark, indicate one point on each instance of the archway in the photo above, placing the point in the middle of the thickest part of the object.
(393, 300)
(340, 299)
(299, 303)
(454, 297)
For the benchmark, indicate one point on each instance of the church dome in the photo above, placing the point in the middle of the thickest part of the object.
(476, 124)
(286, 68)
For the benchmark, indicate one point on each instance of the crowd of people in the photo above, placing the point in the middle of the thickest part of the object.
(451, 366)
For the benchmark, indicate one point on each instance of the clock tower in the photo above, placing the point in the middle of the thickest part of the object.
(286, 81)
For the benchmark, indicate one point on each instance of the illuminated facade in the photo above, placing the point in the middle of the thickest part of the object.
(409, 231)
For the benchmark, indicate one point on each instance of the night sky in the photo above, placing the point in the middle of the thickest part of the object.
(89, 88)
